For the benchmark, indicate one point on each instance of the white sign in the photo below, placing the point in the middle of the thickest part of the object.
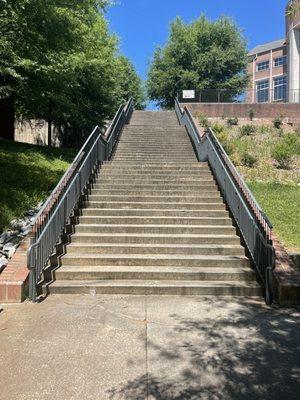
(188, 94)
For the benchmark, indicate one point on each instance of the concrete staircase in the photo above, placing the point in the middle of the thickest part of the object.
(155, 223)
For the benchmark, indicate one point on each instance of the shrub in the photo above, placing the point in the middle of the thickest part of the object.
(264, 129)
(277, 122)
(248, 160)
(218, 128)
(282, 154)
(251, 114)
(203, 120)
(247, 130)
(292, 141)
(222, 135)
(232, 121)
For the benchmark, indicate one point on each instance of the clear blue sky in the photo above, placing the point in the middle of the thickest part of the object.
(144, 24)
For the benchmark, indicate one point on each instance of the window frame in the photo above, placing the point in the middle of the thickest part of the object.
(264, 92)
(280, 88)
(280, 58)
(259, 64)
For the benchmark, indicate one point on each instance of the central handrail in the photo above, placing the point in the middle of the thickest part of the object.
(254, 226)
(55, 213)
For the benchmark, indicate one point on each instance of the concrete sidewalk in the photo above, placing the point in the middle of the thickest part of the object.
(158, 348)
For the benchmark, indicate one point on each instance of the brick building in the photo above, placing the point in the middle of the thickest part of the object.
(274, 67)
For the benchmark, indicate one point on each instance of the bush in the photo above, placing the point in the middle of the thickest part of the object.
(203, 120)
(232, 121)
(292, 141)
(264, 129)
(251, 114)
(248, 160)
(277, 122)
(223, 137)
(247, 130)
(282, 154)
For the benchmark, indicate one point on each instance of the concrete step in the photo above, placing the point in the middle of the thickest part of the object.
(154, 175)
(135, 220)
(142, 238)
(135, 287)
(129, 185)
(145, 179)
(154, 273)
(216, 205)
(156, 191)
(153, 212)
(155, 260)
(163, 229)
(201, 197)
(162, 165)
(192, 249)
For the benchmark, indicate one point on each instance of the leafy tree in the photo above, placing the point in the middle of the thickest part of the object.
(59, 62)
(200, 55)
(129, 84)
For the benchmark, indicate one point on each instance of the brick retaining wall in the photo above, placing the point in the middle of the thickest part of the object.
(241, 110)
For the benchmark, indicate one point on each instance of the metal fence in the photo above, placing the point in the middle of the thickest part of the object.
(250, 96)
(253, 224)
(57, 210)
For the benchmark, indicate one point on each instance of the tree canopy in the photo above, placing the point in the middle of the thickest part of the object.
(199, 55)
(60, 62)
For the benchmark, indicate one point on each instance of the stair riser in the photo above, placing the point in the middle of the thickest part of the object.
(176, 291)
(82, 249)
(146, 261)
(145, 181)
(159, 206)
(228, 240)
(155, 191)
(153, 199)
(159, 186)
(224, 230)
(160, 165)
(157, 276)
(147, 176)
(154, 213)
(155, 221)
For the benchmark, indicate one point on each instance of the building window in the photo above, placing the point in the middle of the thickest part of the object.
(262, 91)
(262, 66)
(280, 88)
(280, 61)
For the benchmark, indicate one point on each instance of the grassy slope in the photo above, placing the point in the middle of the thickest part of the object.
(277, 190)
(281, 202)
(28, 173)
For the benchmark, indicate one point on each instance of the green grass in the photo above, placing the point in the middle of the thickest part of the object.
(28, 173)
(281, 202)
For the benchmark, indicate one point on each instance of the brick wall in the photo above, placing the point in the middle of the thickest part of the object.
(241, 110)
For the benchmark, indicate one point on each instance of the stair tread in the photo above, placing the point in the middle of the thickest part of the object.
(150, 283)
(155, 256)
(141, 268)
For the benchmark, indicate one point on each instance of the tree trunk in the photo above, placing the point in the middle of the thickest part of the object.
(49, 132)
(50, 125)
(7, 120)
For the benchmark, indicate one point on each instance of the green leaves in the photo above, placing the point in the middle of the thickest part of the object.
(59, 62)
(200, 55)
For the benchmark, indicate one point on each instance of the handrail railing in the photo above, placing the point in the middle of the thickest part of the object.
(252, 222)
(55, 213)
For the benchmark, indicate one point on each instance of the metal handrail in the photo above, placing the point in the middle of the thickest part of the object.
(254, 226)
(57, 210)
